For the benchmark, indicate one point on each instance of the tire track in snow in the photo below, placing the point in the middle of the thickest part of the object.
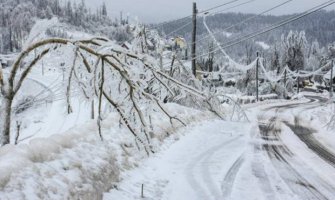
(306, 136)
(199, 162)
(229, 179)
(278, 154)
(282, 159)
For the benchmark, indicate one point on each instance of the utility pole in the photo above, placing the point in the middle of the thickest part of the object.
(298, 80)
(331, 79)
(194, 34)
(257, 64)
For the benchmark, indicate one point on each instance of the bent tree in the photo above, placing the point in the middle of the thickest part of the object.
(130, 83)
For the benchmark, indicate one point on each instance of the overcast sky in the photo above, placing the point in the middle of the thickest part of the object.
(161, 10)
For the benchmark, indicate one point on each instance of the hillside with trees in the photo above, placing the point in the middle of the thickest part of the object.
(17, 17)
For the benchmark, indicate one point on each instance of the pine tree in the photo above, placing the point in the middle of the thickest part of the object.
(104, 9)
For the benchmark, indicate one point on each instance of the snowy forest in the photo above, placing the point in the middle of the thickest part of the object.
(214, 105)
(18, 18)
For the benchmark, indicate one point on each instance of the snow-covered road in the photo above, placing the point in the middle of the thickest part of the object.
(275, 157)
(283, 135)
(192, 168)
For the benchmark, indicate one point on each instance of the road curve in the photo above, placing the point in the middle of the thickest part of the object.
(305, 186)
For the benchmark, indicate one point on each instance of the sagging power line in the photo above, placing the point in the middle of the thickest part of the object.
(270, 28)
(248, 19)
(157, 26)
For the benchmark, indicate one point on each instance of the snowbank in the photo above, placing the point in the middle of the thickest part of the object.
(77, 164)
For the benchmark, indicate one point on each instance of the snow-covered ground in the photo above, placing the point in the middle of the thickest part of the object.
(264, 159)
(191, 168)
(285, 151)
(76, 164)
(60, 156)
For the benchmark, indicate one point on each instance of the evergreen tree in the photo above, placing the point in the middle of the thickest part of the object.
(104, 9)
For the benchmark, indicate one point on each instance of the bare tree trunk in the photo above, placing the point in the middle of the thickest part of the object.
(101, 87)
(6, 122)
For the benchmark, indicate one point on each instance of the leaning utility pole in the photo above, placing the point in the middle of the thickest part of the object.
(194, 33)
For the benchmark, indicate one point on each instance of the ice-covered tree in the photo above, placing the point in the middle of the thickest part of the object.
(313, 60)
(294, 50)
(104, 9)
(131, 83)
(275, 60)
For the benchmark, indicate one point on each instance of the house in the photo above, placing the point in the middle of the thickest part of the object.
(180, 43)
(177, 43)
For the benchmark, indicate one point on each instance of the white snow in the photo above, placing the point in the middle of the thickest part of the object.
(77, 164)
(38, 31)
(227, 34)
(191, 168)
(263, 45)
(61, 156)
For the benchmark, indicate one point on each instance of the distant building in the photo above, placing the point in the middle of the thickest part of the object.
(180, 43)
(177, 43)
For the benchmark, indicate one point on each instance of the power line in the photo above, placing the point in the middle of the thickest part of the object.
(248, 19)
(218, 6)
(238, 5)
(270, 28)
(207, 10)
(178, 29)
(189, 16)
(217, 43)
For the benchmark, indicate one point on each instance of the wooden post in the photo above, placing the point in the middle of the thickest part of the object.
(142, 191)
(194, 34)
(331, 79)
(257, 65)
(92, 110)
